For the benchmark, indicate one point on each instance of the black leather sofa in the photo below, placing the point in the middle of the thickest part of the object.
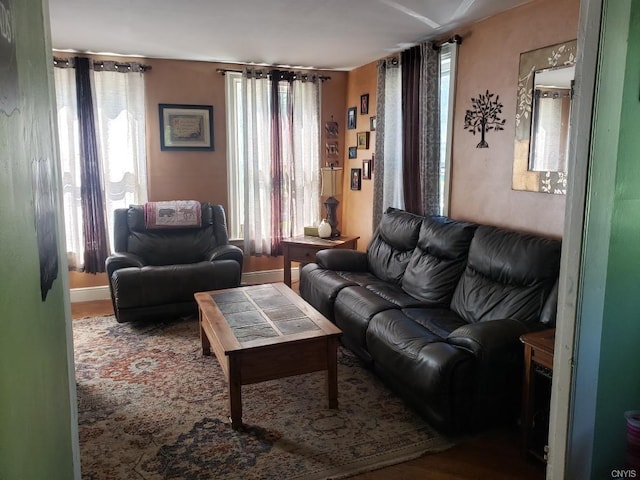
(436, 307)
(155, 272)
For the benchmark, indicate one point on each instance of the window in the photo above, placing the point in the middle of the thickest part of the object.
(434, 150)
(448, 55)
(273, 158)
(119, 113)
(235, 151)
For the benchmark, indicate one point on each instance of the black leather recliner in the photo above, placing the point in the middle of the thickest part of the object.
(155, 272)
(436, 307)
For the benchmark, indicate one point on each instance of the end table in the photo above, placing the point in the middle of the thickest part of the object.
(538, 362)
(303, 249)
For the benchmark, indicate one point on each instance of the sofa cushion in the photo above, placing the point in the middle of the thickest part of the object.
(438, 260)
(392, 244)
(320, 287)
(359, 278)
(394, 294)
(422, 368)
(440, 321)
(508, 275)
(354, 307)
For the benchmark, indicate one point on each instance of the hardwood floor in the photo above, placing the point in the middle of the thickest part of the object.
(493, 455)
(91, 309)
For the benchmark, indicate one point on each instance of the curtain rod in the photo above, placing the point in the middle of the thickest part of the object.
(99, 64)
(222, 71)
(454, 39)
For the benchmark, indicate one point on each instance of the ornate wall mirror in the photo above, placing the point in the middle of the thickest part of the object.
(545, 86)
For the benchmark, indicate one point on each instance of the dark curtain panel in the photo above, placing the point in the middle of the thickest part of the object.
(93, 209)
(276, 164)
(430, 130)
(411, 68)
(289, 172)
(378, 178)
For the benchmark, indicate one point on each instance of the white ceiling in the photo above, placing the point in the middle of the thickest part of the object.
(322, 34)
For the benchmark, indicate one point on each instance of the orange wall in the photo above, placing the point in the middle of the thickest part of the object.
(489, 59)
(186, 175)
(357, 204)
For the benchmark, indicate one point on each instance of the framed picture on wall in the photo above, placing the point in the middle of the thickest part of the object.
(353, 152)
(366, 169)
(331, 129)
(332, 149)
(356, 178)
(352, 113)
(186, 127)
(363, 140)
(372, 123)
(364, 104)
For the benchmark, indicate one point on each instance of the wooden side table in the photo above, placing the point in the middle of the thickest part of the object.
(303, 249)
(538, 361)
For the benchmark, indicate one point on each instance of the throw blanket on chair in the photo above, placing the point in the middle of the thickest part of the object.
(174, 214)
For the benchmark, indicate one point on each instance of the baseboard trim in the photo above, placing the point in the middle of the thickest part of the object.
(90, 294)
(269, 276)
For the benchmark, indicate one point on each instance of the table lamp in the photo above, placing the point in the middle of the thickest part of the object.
(332, 186)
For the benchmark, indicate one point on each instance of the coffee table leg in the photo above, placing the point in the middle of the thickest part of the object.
(332, 372)
(204, 340)
(235, 394)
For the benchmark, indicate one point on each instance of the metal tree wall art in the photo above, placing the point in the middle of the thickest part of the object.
(484, 116)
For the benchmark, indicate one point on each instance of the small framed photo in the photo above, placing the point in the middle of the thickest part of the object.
(363, 140)
(356, 178)
(331, 129)
(366, 169)
(352, 113)
(364, 104)
(353, 152)
(332, 149)
(186, 127)
(372, 123)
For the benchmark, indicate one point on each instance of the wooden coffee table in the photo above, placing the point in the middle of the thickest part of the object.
(263, 332)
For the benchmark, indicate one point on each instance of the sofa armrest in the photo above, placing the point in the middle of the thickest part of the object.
(226, 252)
(122, 260)
(341, 259)
(488, 337)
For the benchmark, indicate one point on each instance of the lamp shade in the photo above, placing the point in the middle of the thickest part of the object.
(331, 181)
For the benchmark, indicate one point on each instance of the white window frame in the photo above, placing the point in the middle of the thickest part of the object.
(448, 66)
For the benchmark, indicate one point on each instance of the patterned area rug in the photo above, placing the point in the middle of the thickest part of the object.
(152, 407)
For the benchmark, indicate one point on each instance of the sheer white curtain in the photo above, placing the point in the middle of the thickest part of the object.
(255, 162)
(299, 125)
(304, 163)
(448, 69)
(65, 82)
(120, 120)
